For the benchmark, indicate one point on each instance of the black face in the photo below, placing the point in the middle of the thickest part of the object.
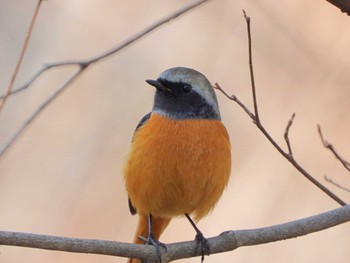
(179, 100)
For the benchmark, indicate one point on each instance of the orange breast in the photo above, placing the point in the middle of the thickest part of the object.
(178, 166)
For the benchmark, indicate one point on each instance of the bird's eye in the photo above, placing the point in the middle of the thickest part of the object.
(186, 88)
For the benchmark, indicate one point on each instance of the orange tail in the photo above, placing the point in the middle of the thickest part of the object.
(159, 224)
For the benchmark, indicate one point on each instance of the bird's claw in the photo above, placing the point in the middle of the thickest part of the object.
(200, 239)
(154, 242)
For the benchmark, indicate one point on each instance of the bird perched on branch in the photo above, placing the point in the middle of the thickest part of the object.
(180, 158)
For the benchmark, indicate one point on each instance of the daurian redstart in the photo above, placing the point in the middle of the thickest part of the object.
(180, 158)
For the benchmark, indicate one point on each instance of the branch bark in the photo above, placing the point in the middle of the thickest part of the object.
(226, 241)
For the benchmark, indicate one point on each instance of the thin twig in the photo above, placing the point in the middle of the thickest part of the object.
(29, 82)
(83, 64)
(286, 134)
(226, 241)
(330, 147)
(330, 180)
(235, 99)
(36, 113)
(252, 80)
(268, 136)
(286, 155)
(20, 59)
(117, 48)
(300, 168)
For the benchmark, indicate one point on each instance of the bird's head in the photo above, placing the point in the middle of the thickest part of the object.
(184, 93)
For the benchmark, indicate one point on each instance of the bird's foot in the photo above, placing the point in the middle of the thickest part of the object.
(154, 242)
(201, 240)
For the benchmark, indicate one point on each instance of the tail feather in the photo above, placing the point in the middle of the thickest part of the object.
(159, 224)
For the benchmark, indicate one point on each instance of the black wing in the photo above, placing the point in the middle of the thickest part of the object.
(143, 121)
(131, 207)
(145, 118)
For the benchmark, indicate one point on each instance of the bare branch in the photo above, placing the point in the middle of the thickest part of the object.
(247, 19)
(29, 82)
(83, 64)
(286, 134)
(227, 241)
(330, 180)
(330, 147)
(343, 5)
(36, 113)
(19, 62)
(259, 125)
(235, 99)
(119, 47)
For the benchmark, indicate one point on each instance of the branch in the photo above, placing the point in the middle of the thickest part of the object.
(19, 62)
(330, 147)
(289, 157)
(286, 134)
(330, 180)
(247, 19)
(257, 122)
(39, 110)
(343, 5)
(227, 241)
(83, 64)
(119, 47)
(235, 99)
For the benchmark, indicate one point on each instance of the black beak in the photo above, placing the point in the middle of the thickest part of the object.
(157, 85)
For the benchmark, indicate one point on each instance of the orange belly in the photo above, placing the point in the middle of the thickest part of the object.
(178, 166)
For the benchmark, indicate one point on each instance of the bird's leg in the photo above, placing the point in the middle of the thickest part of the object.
(152, 241)
(200, 239)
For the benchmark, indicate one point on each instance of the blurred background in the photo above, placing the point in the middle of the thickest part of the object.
(64, 175)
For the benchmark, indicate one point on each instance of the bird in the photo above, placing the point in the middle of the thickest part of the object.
(180, 157)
